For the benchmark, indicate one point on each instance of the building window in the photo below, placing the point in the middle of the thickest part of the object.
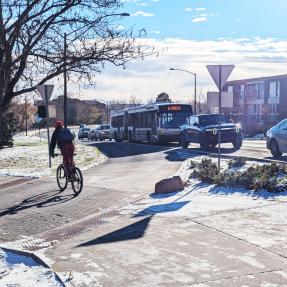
(230, 89)
(273, 112)
(242, 91)
(255, 91)
(274, 89)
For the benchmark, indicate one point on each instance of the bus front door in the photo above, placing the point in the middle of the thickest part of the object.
(154, 126)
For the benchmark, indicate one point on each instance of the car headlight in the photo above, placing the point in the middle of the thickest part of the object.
(268, 133)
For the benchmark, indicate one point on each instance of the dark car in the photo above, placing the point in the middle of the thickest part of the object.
(83, 133)
(203, 129)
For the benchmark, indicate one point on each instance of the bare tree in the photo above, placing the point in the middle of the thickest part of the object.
(32, 42)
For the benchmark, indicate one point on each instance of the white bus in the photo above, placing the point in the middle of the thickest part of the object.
(158, 122)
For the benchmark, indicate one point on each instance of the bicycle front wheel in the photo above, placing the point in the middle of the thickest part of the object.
(77, 181)
(62, 177)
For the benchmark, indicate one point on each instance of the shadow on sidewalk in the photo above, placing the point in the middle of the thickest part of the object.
(130, 232)
(135, 230)
(40, 200)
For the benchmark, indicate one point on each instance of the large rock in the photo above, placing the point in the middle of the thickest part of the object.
(168, 185)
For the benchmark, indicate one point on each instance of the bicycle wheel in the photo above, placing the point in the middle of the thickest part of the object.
(77, 181)
(62, 177)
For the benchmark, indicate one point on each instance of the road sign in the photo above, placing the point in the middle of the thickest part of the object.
(45, 91)
(226, 99)
(214, 71)
(219, 74)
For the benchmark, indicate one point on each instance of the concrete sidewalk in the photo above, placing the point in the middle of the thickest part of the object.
(171, 249)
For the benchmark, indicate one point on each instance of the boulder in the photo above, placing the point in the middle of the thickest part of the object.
(168, 185)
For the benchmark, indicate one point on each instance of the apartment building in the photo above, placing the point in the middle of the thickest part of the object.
(258, 103)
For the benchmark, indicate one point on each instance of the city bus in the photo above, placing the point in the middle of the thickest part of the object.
(152, 123)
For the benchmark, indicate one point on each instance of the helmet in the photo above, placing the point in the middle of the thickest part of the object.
(59, 124)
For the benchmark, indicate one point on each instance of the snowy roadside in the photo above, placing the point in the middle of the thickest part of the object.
(20, 270)
(29, 158)
(200, 199)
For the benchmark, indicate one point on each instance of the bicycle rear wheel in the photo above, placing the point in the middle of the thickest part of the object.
(62, 177)
(77, 181)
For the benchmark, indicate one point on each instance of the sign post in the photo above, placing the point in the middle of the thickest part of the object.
(46, 92)
(219, 74)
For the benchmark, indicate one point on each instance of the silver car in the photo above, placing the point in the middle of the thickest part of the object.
(277, 139)
(104, 132)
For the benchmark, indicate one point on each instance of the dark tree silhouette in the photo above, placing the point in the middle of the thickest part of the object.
(32, 45)
(163, 97)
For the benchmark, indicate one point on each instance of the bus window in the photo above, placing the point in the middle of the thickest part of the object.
(173, 119)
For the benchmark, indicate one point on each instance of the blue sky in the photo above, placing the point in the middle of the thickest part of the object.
(190, 34)
(210, 19)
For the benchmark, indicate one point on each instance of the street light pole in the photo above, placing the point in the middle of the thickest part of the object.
(194, 74)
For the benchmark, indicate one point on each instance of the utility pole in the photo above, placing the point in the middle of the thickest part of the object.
(26, 115)
(65, 80)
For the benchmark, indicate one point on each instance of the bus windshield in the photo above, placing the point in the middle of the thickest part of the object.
(173, 120)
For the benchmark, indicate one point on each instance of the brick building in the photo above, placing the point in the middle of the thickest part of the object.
(258, 103)
(79, 111)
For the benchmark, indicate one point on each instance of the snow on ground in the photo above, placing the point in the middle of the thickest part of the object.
(198, 199)
(29, 157)
(18, 270)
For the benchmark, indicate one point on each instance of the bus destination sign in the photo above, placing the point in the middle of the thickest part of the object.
(174, 108)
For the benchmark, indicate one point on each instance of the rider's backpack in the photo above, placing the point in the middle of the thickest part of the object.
(65, 135)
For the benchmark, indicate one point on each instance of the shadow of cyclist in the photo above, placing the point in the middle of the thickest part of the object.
(45, 199)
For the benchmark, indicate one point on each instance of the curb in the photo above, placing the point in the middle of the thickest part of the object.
(36, 258)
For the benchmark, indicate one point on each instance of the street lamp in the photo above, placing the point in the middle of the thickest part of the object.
(65, 61)
(194, 74)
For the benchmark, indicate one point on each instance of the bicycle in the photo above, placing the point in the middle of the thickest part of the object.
(76, 178)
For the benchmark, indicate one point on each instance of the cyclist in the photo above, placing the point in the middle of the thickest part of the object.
(64, 139)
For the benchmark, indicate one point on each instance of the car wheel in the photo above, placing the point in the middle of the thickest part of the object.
(237, 143)
(274, 148)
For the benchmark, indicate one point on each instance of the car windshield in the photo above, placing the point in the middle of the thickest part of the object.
(86, 129)
(173, 120)
(207, 120)
(106, 127)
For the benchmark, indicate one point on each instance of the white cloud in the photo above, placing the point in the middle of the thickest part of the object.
(199, 9)
(142, 4)
(143, 14)
(199, 19)
(188, 9)
(155, 32)
(254, 57)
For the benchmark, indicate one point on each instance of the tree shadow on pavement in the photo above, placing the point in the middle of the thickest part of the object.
(180, 154)
(122, 149)
(45, 199)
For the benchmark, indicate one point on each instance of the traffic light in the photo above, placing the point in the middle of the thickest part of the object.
(42, 111)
